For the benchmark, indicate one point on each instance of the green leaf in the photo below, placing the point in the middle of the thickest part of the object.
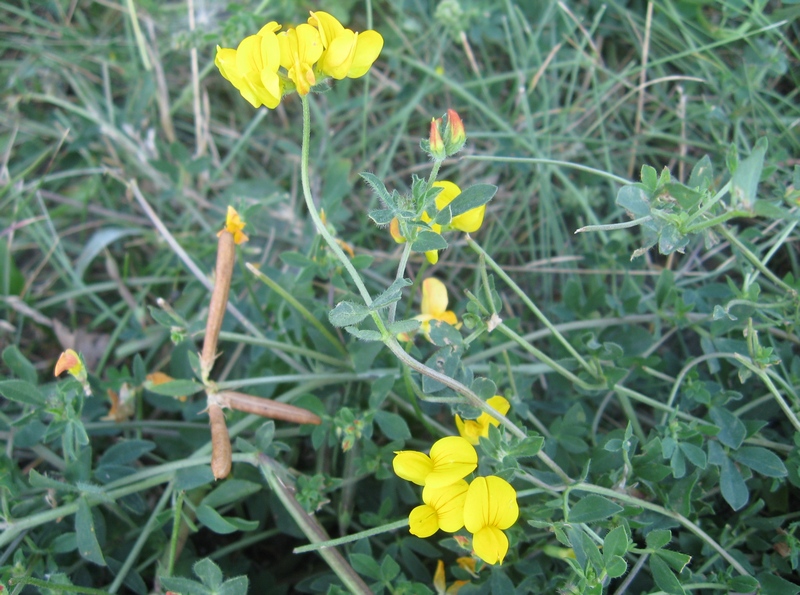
(37, 480)
(230, 491)
(702, 176)
(528, 447)
(220, 524)
(634, 200)
(443, 334)
(389, 568)
(649, 177)
(22, 391)
(772, 584)
(760, 460)
(676, 560)
(193, 477)
(472, 198)
(125, 452)
(19, 364)
(347, 314)
(379, 188)
(744, 181)
(184, 586)
(175, 388)
(88, 546)
(694, 453)
(364, 335)
(296, 259)
(381, 216)
(380, 390)
(392, 425)
(391, 295)
(428, 240)
(658, 538)
(616, 543)
(365, 565)
(732, 485)
(208, 572)
(664, 577)
(616, 566)
(235, 586)
(732, 431)
(403, 326)
(485, 388)
(743, 584)
(593, 508)
(100, 240)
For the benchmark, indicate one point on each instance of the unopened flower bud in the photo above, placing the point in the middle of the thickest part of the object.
(436, 144)
(454, 134)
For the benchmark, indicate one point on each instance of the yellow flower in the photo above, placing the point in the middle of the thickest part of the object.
(490, 507)
(443, 509)
(467, 222)
(235, 225)
(434, 305)
(300, 49)
(253, 67)
(452, 458)
(473, 429)
(347, 54)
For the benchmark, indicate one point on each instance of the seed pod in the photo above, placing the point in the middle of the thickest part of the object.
(226, 255)
(267, 408)
(220, 442)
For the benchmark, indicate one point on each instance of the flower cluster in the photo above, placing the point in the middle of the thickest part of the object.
(467, 222)
(485, 507)
(268, 65)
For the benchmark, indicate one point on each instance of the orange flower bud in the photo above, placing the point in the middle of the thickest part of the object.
(436, 146)
(454, 134)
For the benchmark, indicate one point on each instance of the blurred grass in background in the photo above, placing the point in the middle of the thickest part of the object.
(561, 102)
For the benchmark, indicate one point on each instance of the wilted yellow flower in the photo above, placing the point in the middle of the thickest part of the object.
(235, 225)
(347, 54)
(473, 429)
(443, 509)
(253, 67)
(300, 49)
(435, 142)
(440, 584)
(70, 361)
(490, 507)
(452, 458)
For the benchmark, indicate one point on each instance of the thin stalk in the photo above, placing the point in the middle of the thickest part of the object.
(301, 309)
(309, 525)
(140, 541)
(401, 267)
(593, 489)
(728, 235)
(528, 302)
(762, 374)
(388, 527)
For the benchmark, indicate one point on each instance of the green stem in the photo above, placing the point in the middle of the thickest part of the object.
(718, 220)
(140, 541)
(313, 547)
(176, 531)
(726, 233)
(292, 301)
(528, 302)
(55, 587)
(593, 489)
(613, 226)
(309, 525)
(312, 208)
(762, 374)
(401, 267)
(578, 166)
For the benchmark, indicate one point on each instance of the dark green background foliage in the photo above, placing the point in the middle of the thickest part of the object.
(669, 413)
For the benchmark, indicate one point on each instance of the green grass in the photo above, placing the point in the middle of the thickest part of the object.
(665, 386)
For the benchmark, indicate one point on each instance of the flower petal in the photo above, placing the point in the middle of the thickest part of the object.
(491, 501)
(490, 545)
(448, 502)
(434, 296)
(423, 521)
(448, 193)
(470, 221)
(453, 458)
(412, 466)
(368, 47)
(470, 430)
